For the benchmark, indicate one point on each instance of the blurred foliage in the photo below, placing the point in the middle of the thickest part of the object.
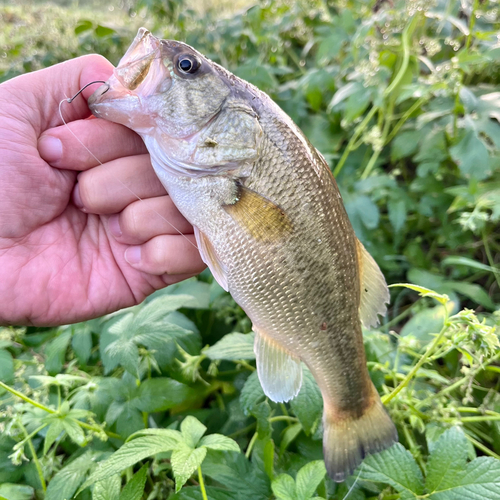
(402, 98)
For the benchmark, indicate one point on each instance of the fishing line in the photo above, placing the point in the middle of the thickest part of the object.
(70, 100)
(355, 481)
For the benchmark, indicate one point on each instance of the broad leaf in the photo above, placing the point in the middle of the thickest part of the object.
(233, 346)
(108, 489)
(252, 393)
(219, 442)
(308, 405)
(192, 430)
(9, 491)
(184, 462)
(284, 487)
(160, 394)
(134, 489)
(395, 466)
(308, 479)
(6, 366)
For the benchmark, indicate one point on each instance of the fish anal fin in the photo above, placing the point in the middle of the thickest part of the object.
(348, 439)
(260, 217)
(374, 294)
(279, 371)
(209, 257)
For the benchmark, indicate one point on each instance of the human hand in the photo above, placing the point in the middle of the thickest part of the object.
(63, 257)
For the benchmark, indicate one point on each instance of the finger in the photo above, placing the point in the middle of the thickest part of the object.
(43, 90)
(142, 220)
(109, 188)
(83, 144)
(166, 254)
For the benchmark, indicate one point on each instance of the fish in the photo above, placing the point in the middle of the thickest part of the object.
(270, 224)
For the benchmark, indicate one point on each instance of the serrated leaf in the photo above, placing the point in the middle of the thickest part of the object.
(6, 366)
(53, 432)
(480, 481)
(471, 156)
(252, 393)
(233, 346)
(447, 460)
(56, 352)
(290, 433)
(397, 213)
(396, 467)
(219, 442)
(126, 353)
(74, 431)
(308, 405)
(308, 479)
(184, 462)
(134, 489)
(132, 452)
(64, 484)
(160, 394)
(108, 489)
(284, 487)
(192, 430)
(160, 307)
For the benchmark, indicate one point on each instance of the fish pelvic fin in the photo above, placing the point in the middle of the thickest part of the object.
(348, 440)
(374, 292)
(279, 371)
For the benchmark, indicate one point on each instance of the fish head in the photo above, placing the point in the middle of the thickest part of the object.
(161, 84)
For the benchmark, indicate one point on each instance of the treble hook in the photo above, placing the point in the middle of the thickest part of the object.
(70, 100)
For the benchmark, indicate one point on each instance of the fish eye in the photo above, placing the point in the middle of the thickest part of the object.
(188, 63)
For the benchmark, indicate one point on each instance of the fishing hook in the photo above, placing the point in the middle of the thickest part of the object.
(70, 100)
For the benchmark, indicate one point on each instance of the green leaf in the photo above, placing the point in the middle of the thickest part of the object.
(397, 213)
(308, 479)
(53, 432)
(447, 460)
(268, 458)
(192, 430)
(396, 467)
(464, 261)
(64, 484)
(290, 433)
(471, 156)
(233, 346)
(134, 451)
(219, 442)
(134, 489)
(424, 292)
(473, 292)
(102, 31)
(9, 491)
(81, 342)
(74, 431)
(56, 352)
(184, 462)
(284, 487)
(252, 393)
(479, 481)
(160, 394)
(6, 366)
(308, 405)
(108, 489)
(83, 25)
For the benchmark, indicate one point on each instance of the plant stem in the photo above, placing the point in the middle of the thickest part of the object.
(35, 458)
(250, 445)
(490, 257)
(247, 365)
(417, 367)
(202, 484)
(54, 412)
(283, 417)
(483, 448)
(405, 117)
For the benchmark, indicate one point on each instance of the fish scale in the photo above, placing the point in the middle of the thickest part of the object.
(270, 224)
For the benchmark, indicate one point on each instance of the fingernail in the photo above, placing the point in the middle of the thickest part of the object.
(133, 255)
(50, 149)
(77, 200)
(114, 225)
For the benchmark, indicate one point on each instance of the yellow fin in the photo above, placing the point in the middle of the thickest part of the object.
(264, 220)
(374, 292)
(209, 257)
(279, 371)
(347, 440)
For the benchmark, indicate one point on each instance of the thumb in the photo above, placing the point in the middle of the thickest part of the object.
(41, 92)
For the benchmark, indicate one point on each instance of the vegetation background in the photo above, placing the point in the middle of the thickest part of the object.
(162, 400)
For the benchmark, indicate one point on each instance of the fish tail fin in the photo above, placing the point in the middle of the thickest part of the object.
(346, 441)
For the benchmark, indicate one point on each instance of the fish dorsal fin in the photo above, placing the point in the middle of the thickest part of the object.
(209, 257)
(280, 372)
(374, 292)
(264, 220)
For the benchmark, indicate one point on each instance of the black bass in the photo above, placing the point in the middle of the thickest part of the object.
(271, 226)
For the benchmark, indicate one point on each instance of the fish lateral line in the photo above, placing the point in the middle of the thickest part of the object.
(69, 100)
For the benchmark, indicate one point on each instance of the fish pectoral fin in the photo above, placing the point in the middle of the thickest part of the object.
(263, 219)
(209, 257)
(374, 292)
(279, 371)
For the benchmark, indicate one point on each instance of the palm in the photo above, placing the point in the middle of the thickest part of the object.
(58, 264)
